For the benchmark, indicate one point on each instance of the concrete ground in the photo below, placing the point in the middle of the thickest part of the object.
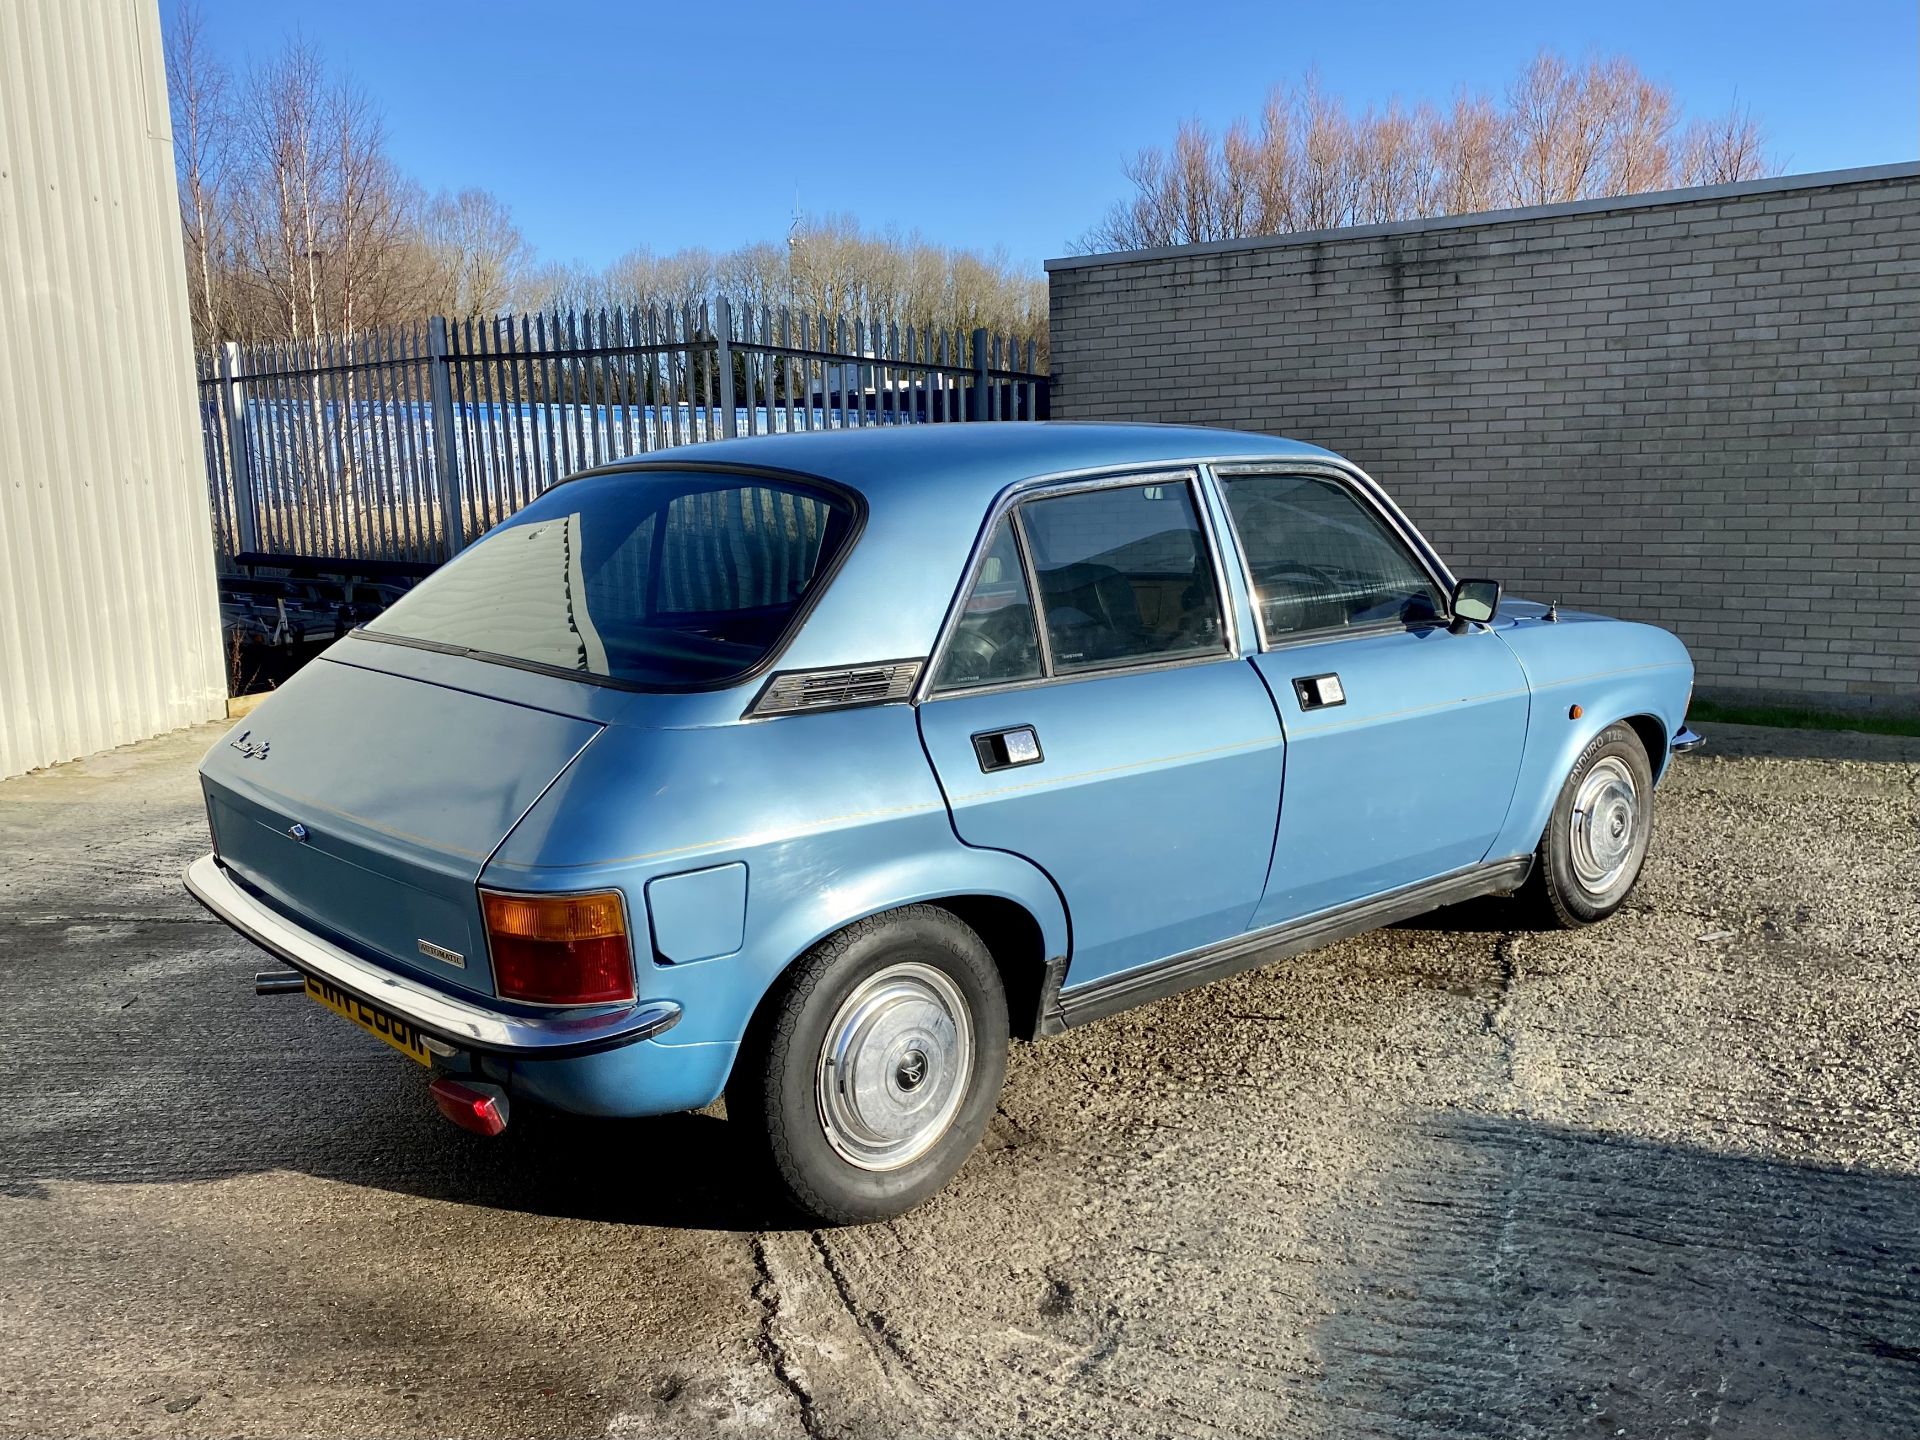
(1659, 1178)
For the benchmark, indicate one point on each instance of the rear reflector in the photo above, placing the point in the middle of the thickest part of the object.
(479, 1108)
(559, 949)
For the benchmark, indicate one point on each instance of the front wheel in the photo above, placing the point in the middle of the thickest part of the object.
(1597, 838)
(874, 1067)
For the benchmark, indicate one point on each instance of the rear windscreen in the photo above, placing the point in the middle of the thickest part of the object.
(643, 578)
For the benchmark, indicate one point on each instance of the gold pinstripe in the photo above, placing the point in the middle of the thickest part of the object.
(1474, 699)
(1410, 710)
(752, 836)
(762, 836)
(1046, 781)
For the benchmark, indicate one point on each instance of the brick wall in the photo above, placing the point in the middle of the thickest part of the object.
(1698, 408)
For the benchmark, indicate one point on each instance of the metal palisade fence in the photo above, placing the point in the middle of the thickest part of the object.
(405, 444)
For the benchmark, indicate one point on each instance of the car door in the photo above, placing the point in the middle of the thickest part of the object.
(1112, 734)
(1404, 734)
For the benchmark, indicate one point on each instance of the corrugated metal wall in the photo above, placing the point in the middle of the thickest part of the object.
(109, 629)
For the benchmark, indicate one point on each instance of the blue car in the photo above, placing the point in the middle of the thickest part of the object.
(813, 769)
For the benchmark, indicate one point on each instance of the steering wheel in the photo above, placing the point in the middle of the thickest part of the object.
(975, 653)
(969, 655)
(1288, 597)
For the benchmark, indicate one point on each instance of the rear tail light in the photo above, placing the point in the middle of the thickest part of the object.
(559, 949)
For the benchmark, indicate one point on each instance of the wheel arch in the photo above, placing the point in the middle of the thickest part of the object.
(1023, 952)
(1547, 767)
(1585, 675)
(1655, 737)
(1007, 900)
(1018, 945)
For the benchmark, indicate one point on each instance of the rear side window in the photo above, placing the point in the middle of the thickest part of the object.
(993, 641)
(1320, 559)
(649, 579)
(1124, 576)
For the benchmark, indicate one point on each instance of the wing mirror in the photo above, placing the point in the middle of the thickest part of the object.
(1474, 602)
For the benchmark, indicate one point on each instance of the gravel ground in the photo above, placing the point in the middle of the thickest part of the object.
(1659, 1178)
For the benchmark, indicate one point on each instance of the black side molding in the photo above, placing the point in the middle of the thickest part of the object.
(1101, 998)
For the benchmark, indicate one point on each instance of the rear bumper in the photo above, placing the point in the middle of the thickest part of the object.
(460, 1023)
(1685, 740)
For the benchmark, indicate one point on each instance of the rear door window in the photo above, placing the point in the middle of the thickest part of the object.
(1125, 576)
(648, 579)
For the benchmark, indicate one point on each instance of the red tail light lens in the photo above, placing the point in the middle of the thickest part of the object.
(559, 949)
(479, 1108)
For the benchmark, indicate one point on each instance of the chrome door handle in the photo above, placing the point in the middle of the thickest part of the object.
(1317, 692)
(1007, 749)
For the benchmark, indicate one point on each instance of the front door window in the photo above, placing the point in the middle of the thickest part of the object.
(1320, 559)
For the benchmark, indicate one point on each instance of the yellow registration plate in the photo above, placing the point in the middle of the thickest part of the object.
(390, 1028)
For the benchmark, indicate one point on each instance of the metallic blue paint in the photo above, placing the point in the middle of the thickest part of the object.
(699, 914)
(403, 791)
(1613, 670)
(654, 1077)
(835, 816)
(1409, 778)
(1175, 806)
(1152, 810)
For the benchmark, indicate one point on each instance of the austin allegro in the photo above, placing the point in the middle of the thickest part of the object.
(811, 770)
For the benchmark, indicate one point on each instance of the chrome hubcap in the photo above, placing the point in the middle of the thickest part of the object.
(1606, 814)
(894, 1066)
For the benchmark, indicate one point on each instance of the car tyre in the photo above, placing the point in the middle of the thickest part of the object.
(1597, 837)
(873, 1067)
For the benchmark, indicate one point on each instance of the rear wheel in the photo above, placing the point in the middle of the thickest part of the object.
(1596, 840)
(875, 1066)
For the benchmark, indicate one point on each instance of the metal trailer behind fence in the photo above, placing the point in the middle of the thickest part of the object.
(402, 445)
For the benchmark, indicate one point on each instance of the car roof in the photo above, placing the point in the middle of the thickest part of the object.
(967, 465)
(929, 489)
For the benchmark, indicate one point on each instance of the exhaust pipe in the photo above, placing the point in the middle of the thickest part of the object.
(279, 982)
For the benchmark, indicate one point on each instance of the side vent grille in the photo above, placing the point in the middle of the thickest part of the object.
(793, 691)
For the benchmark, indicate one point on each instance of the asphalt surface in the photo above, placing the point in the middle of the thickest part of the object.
(1658, 1178)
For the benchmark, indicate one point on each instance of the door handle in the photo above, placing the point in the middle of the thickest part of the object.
(1007, 749)
(1318, 692)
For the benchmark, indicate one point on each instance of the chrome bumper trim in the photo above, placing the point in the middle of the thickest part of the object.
(459, 1022)
(1686, 741)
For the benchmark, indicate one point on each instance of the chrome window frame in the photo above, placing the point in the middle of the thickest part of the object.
(1372, 498)
(1045, 487)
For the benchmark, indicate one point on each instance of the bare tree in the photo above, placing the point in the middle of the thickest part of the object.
(1566, 131)
(1471, 149)
(295, 220)
(1638, 154)
(299, 225)
(478, 261)
(279, 192)
(1561, 117)
(1722, 150)
(1329, 175)
(368, 217)
(199, 90)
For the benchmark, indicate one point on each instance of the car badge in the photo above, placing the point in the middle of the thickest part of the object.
(298, 832)
(250, 749)
(441, 952)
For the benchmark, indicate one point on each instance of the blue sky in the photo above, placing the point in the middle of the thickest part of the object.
(610, 126)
